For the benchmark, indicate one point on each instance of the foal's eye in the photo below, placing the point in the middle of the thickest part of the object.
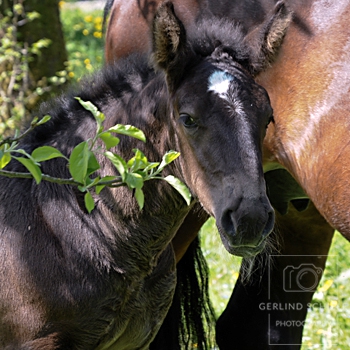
(187, 121)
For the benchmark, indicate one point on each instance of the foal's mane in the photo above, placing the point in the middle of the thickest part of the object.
(117, 90)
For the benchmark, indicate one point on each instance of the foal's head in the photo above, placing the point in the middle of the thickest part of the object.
(219, 116)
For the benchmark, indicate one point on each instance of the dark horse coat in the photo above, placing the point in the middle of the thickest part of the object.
(105, 280)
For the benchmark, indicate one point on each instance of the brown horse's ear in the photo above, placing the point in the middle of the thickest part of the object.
(267, 38)
(169, 44)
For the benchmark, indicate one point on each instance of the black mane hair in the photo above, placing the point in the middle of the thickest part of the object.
(123, 91)
(209, 33)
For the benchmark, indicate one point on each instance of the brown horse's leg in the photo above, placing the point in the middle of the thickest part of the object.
(188, 231)
(265, 311)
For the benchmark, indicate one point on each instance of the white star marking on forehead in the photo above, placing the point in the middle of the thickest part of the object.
(219, 82)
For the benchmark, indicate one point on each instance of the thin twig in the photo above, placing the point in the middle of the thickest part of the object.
(13, 174)
(20, 175)
(10, 140)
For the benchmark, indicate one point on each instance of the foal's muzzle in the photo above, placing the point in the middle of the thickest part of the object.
(245, 225)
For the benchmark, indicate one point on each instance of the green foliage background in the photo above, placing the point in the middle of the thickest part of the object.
(84, 40)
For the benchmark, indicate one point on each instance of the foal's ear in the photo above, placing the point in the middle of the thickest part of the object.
(267, 38)
(169, 44)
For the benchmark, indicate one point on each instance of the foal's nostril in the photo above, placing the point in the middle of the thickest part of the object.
(270, 223)
(246, 226)
(228, 222)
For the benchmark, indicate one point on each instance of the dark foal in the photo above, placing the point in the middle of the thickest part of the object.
(105, 280)
(308, 88)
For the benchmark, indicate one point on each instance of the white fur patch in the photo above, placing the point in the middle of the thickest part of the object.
(219, 83)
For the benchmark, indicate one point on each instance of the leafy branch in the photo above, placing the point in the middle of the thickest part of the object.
(83, 164)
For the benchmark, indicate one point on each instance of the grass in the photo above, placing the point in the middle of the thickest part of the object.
(327, 326)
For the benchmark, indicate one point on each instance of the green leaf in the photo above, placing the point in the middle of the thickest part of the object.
(22, 151)
(92, 182)
(93, 109)
(180, 187)
(45, 153)
(134, 180)
(32, 168)
(138, 162)
(5, 158)
(40, 44)
(119, 163)
(43, 120)
(151, 165)
(93, 164)
(78, 162)
(33, 122)
(33, 15)
(128, 130)
(18, 9)
(99, 188)
(140, 198)
(167, 159)
(109, 140)
(89, 202)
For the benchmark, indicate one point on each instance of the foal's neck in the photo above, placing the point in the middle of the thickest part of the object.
(141, 236)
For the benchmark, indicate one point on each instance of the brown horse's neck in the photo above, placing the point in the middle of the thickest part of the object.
(187, 10)
(120, 41)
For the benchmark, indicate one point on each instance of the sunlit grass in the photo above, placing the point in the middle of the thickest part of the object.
(224, 267)
(328, 327)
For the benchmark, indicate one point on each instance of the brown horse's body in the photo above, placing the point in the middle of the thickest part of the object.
(309, 89)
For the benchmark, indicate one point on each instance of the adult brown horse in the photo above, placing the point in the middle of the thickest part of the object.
(309, 87)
